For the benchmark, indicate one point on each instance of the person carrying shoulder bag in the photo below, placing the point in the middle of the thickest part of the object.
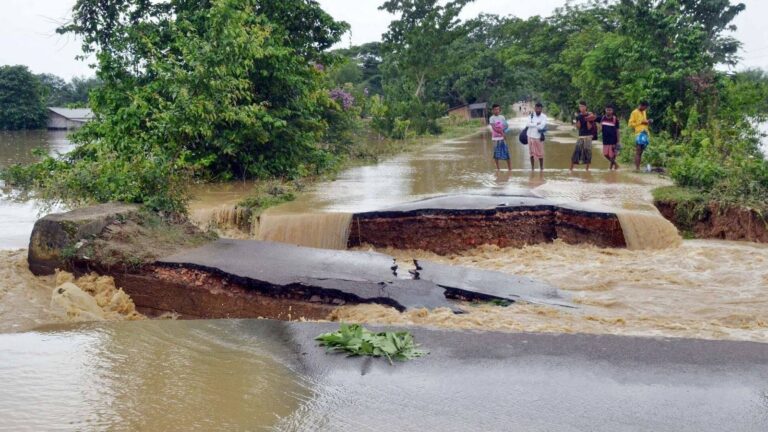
(536, 127)
(638, 121)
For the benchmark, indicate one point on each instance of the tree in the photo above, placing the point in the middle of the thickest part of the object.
(367, 59)
(55, 90)
(58, 93)
(222, 85)
(415, 54)
(79, 90)
(210, 88)
(475, 68)
(416, 44)
(21, 99)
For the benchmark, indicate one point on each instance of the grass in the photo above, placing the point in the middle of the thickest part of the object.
(271, 193)
(690, 206)
(679, 194)
(140, 239)
(374, 146)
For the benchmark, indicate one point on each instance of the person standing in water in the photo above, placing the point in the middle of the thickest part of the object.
(638, 120)
(585, 123)
(537, 124)
(498, 125)
(609, 124)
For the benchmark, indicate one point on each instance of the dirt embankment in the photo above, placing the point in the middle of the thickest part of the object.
(715, 221)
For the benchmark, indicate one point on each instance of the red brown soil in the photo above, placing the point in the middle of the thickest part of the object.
(717, 222)
(451, 233)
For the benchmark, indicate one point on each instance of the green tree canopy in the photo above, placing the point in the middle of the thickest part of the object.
(21, 99)
(58, 93)
(233, 87)
(211, 88)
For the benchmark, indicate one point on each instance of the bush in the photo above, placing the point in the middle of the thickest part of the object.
(269, 194)
(80, 180)
(697, 172)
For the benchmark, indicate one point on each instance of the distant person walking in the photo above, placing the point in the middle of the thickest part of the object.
(537, 125)
(609, 125)
(498, 125)
(585, 123)
(638, 120)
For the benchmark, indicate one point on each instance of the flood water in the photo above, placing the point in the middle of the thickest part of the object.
(173, 375)
(695, 288)
(153, 376)
(466, 166)
(16, 215)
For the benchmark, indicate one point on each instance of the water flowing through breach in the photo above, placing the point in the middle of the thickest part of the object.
(320, 230)
(225, 219)
(648, 231)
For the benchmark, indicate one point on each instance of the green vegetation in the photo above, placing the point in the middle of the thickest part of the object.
(690, 205)
(238, 89)
(717, 156)
(220, 90)
(270, 193)
(25, 96)
(356, 340)
(56, 92)
(21, 101)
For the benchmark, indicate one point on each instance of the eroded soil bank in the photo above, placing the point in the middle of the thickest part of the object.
(715, 221)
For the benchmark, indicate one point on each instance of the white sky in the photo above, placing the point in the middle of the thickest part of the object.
(28, 37)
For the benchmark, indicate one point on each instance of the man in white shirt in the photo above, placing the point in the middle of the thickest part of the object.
(537, 125)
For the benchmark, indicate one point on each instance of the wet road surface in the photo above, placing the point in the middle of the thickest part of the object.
(121, 376)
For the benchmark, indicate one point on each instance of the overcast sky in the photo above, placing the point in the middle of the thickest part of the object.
(28, 37)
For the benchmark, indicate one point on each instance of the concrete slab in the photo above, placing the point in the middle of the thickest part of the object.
(356, 277)
(458, 280)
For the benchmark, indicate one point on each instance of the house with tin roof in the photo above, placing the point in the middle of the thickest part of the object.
(68, 118)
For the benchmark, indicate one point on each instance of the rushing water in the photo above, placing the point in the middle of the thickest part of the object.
(166, 375)
(661, 285)
(320, 230)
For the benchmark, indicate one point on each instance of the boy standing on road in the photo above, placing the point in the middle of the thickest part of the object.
(498, 125)
(639, 122)
(537, 124)
(609, 124)
(585, 123)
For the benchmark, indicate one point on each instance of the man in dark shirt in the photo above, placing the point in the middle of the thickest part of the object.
(585, 123)
(609, 124)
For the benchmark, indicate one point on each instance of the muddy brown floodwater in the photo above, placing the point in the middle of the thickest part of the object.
(174, 375)
(669, 287)
(159, 376)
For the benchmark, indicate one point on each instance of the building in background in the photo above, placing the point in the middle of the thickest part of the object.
(470, 111)
(68, 118)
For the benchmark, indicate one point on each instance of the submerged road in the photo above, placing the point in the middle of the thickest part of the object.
(538, 382)
(197, 375)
